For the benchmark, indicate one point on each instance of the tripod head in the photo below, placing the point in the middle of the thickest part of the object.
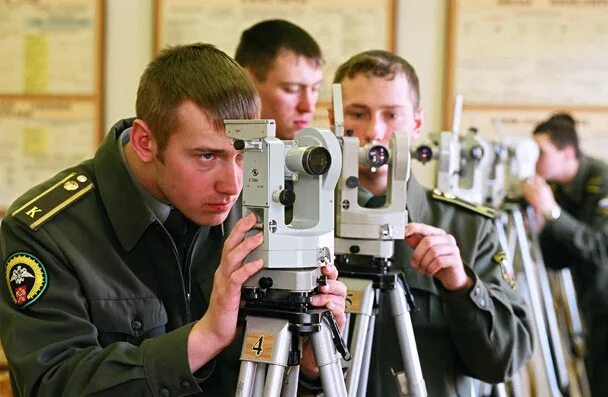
(311, 164)
(369, 231)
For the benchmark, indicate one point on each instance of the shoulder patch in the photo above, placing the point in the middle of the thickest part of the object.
(594, 184)
(25, 277)
(450, 198)
(501, 259)
(53, 200)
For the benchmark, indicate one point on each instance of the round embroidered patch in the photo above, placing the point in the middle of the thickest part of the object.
(26, 278)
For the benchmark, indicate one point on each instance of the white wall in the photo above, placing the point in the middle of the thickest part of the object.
(128, 50)
(421, 39)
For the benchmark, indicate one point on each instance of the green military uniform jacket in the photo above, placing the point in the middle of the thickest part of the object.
(579, 239)
(107, 306)
(484, 332)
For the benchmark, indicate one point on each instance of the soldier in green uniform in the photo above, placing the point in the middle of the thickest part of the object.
(286, 66)
(570, 191)
(119, 279)
(470, 322)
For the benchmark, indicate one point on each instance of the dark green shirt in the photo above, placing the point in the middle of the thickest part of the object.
(579, 237)
(484, 332)
(114, 305)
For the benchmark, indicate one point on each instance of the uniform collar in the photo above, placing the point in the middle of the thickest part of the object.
(128, 213)
(158, 208)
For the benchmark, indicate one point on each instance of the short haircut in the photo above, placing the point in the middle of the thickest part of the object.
(261, 44)
(562, 117)
(199, 73)
(561, 133)
(380, 63)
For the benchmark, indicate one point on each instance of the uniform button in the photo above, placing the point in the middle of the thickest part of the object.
(186, 384)
(136, 325)
(164, 392)
(476, 292)
(482, 302)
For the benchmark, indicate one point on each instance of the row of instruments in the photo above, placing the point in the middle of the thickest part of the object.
(305, 195)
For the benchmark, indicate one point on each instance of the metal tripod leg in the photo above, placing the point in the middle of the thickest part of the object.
(535, 300)
(405, 333)
(362, 296)
(266, 350)
(360, 302)
(328, 361)
(267, 341)
(559, 355)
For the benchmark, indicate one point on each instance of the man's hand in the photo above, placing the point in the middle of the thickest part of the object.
(217, 328)
(436, 254)
(538, 193)
(333, 297)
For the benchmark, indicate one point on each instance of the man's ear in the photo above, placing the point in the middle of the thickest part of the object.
(418, 124)
(142, 141)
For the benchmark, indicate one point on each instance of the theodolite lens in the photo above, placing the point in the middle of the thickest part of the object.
(313, 160)
(375, 155)
(423, 153)
(477, 152)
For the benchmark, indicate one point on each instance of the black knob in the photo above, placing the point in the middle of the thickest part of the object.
(239, 144)
(287, 197)
(352, 182)
(354, 249)
(265, 282)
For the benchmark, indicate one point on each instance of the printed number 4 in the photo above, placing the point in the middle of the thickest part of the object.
(258, 346)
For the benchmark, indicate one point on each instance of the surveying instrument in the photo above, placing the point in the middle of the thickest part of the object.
(277, 305)
(364, 245)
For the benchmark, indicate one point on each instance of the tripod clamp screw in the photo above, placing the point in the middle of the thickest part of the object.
(336, 336)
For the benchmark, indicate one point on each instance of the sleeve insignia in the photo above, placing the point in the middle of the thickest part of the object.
(53, 200)
(501, 259)
(450, 198)
(26, 278)
(594, 184)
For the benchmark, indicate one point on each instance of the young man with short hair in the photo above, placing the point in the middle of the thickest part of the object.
(570, 192)
(470, 323)
(286, 66)
(119, 277)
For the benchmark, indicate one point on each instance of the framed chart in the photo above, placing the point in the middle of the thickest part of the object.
(51, 89)
(524, 59)
(341, 27)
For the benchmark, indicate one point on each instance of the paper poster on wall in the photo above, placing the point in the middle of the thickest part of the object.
(529, 52)
(341, 27)
(40, 138)
(49, 47)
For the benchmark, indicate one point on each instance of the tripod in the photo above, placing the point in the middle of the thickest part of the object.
(550, 366)
(365, 285)
(277, 320)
